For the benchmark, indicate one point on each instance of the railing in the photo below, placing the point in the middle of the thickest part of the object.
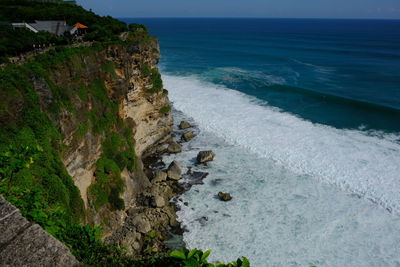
(24, 25)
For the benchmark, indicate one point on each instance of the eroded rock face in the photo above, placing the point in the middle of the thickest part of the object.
(174, 171)
(126, 84)
(205, 156)
(187, 136)
(25, 244)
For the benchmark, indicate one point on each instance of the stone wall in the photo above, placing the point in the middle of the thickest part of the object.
(23, 243)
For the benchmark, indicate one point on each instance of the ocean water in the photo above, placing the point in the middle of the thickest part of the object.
(304, 116)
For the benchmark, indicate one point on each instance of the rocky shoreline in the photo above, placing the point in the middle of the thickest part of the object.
(156, 207)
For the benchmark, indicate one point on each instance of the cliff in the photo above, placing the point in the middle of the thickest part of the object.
(81, 120)
(126, 72)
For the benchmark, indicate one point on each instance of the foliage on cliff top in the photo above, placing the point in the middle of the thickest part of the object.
(29, 11)
(15, 41)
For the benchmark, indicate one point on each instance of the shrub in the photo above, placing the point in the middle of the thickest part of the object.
(145, 70)
(137, 27)
(109, 68)
(166, 109)
(198, 258)
(108, 176)
(157, 84)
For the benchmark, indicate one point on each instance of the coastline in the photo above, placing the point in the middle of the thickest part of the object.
(157, 160)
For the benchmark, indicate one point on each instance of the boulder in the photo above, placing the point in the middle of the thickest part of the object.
(174, 147)
(160, 176)
(224, 196)
(184, 125)
(141, 224)
(187, 136)
(159, 201)
(205, 156)
(174, 171)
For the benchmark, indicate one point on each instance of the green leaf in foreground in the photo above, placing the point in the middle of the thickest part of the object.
(178, 254)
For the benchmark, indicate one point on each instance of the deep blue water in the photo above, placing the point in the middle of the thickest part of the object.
(343, 73)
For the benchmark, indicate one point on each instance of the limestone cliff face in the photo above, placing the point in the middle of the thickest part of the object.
(123, 69)
(141, 109)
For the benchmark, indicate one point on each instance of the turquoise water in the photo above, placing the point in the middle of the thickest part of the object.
(304, 116)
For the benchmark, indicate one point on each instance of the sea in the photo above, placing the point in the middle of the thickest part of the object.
(304, 118)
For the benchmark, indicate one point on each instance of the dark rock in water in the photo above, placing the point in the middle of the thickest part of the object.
(226, 215)
(197, 177)
(194, 178)
(187, 136)
(205, 156)
(189, 171)
(174, 171)
(216, 182)
(186, 204)
(174, 147)
(178, 229)
(215, 211)
(224, 196)
(184, 125)
(203, 220)
(154, 162)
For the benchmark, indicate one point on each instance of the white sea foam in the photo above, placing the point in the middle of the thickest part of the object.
(271, 162)
(350, 159)
(277, 217)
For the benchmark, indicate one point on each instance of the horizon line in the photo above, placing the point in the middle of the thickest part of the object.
(309, 18)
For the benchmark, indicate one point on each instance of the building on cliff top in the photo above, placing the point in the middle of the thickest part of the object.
(57, 27)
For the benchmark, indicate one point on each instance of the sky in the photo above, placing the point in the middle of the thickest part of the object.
(385, 9)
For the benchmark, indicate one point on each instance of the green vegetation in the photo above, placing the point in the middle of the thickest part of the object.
(138, 32)
(137, 27)
(109, 68)
(15, 41)
(145, 70)
(156, 80)
(198, 258)
(32, 176)
(118, 154)
(166, 109)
